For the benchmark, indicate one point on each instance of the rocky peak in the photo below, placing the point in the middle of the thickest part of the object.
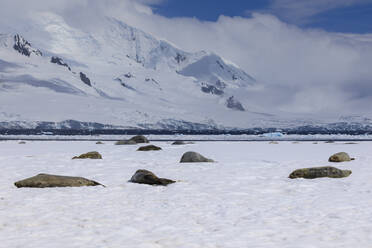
(24, 47)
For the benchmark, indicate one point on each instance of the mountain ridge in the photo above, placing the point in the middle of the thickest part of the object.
(120, 76)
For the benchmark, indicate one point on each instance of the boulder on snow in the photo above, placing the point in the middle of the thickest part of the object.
(85, 79)
(194, 157)
(234, 104)
(46, 180)
(340, 157)
(147, 177)
(149, 148)
(180, 142)
(89, 155)
(317, 172)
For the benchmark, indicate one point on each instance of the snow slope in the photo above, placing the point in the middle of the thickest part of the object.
(243, 200)
(116, 75)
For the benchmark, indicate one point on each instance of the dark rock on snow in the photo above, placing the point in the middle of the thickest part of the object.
(85, 79)
(317, 172)
(232, 103)
(59, 61)
(46, 180)
(147, 177)
(24, 47)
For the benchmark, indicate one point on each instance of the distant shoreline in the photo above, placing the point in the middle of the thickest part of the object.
(195, 138)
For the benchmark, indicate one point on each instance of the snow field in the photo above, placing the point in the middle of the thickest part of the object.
(243, 200)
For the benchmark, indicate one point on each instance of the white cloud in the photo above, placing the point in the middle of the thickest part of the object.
(300, 11)
(307, 71)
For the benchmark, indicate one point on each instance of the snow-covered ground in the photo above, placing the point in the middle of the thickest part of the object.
(243, 200)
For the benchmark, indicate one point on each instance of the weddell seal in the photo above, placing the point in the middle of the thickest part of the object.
(317, 172)
(340, 157)
(46, 181)
(147, 177)
(89, 155)
(149, 148)
(194, 157)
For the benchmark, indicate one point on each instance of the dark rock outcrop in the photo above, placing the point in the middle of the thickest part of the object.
(210, 89)
(147, 177)
(194, 157)
(149, 148)
(340, 157)
(46, 180)
(24, 47)
(318, 172)
(85, 79)
(232, 103)
(89, 155)
(59, 61)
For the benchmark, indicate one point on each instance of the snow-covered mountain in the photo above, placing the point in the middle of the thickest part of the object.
(119, 76)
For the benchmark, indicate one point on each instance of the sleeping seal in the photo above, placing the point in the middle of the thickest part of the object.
(340, 157)
(194, 157)
(317, 172)
(46, 181)
(147, 177)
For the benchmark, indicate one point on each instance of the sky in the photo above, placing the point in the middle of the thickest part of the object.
(336, 16)
(309, 56)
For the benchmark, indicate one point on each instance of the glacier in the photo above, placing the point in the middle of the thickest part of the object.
(119, 76)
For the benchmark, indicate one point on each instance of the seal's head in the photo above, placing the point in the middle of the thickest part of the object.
(297, 174)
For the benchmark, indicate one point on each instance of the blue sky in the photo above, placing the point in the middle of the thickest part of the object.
(351, 16)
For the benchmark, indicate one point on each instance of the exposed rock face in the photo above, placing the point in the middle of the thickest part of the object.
(147, 177)
(180, 58)
(59, 61)
(317, 172)
(24, 47)
(139, 139)
(340, 157)
(206, 88)
(89, 155)
(149, 148)
(180, 142)
(46, 180)
(234, 104)
(194, 157)
(85, 79)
